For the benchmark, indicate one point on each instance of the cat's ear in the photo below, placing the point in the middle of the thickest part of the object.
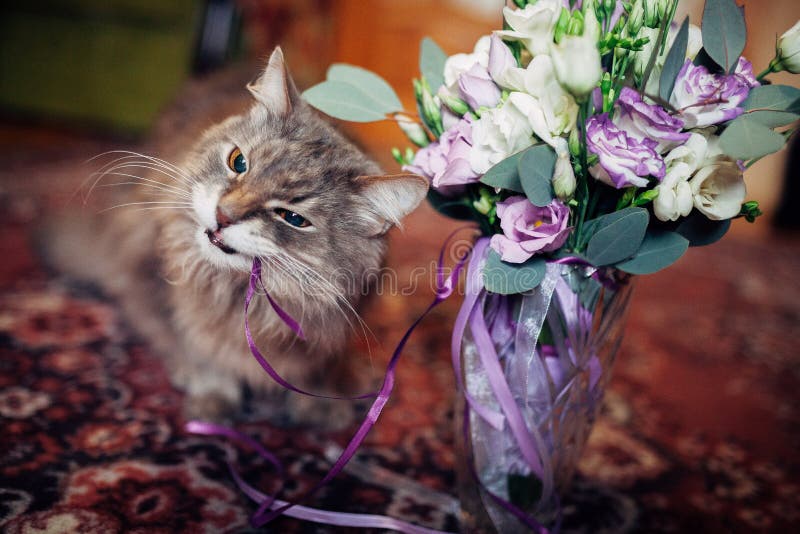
(392, 197)
(275, 88)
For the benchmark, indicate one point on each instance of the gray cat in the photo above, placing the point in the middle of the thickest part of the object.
(274, 182)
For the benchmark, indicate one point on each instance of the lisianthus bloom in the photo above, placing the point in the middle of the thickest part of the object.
(552, 111)
(789, 49)
(446, 162)
(533, 26)
(477, 88)
(499, 133)
(648, 121)
(458, 64)
(719, 190)
(528, 229)
(624, 160)
(675, 198)
(703, 98)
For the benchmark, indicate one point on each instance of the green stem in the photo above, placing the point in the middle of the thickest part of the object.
(774, 66)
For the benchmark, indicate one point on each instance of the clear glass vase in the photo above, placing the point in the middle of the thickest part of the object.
(555, 347)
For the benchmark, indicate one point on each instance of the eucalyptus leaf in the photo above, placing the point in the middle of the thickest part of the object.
(702, 231)
(536, 167)
(619, 239)
(505, 174)
(724, 32)
(367, 82)
(511, 278)
(746, 138)
(591, 226)
(659, 250)
(674, 62)
(431, 62)
(450, 207)
(343, 101)
(773, 105)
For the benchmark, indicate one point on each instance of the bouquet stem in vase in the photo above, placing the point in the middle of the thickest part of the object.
(535, 367)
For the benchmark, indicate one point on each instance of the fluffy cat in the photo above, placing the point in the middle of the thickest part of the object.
(274, 182)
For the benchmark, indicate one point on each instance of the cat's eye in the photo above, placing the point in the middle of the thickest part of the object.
(295, 219)
(236, 161)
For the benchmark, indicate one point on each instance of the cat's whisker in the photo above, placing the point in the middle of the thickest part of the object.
(147, 185)
(154, 159)
(113, 170)
(340, 300)
(171, 204)
(150, 166)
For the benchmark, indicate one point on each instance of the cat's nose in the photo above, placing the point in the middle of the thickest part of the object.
(222, 219)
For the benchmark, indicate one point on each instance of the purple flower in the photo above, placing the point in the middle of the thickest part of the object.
(446, 162)
(648, 121)
(703, 98)
(528, 229)
(500, 59)
(624, 160)
(477, 88)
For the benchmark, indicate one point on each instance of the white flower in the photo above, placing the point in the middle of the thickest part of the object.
(693, 152)
(499, 133)
(458, 64)
(551, 110)
(789, 49)
(533, 26)
(576, 60)
(674, 198)
(719, 190)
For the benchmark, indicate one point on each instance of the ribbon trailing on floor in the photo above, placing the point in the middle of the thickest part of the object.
(269, 506)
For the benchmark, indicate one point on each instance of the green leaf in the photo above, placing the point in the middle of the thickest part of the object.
(618, 239)
(746, 138)
(431, 62)
(510, 278)
(674, 62)
(724, 32)
(343, 101)
(367, 82)
(450, 207)
(505, 174)
(773, 105)
(659, 249)
(536, 168)
(702, 231)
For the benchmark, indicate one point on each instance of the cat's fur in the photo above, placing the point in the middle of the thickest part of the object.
(186, 295)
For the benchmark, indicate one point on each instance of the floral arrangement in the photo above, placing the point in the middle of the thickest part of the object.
(601, 130)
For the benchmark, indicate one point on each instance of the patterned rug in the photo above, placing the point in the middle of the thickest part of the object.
(699, 432)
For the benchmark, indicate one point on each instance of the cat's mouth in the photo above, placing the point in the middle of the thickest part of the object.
(215, 237)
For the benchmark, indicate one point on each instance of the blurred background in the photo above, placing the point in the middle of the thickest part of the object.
(701, 429)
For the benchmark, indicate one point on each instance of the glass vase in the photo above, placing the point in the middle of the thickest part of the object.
(555, 348)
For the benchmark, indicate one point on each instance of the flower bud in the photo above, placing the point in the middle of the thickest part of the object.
(789, 49)
(561, 26)
(651, 9)
(456, 105)
(635, 19)
(564, 182)
(398, 157)
(413, 130)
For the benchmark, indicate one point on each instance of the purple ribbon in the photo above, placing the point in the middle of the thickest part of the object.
(270, 508)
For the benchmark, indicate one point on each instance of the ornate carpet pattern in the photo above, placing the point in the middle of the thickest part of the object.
(699, 432)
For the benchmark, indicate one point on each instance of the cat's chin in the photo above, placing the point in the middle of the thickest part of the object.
(220, 259)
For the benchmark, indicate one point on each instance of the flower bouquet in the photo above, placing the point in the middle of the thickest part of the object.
(589, 141)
